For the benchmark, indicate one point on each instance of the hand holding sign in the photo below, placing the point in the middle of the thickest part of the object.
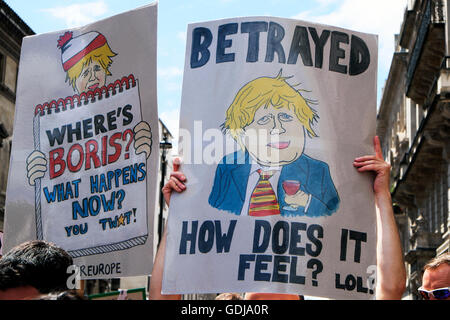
(176, 182)
(377, 164)
(391, 273)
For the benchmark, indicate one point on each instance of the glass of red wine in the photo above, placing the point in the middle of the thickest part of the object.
(291, 187)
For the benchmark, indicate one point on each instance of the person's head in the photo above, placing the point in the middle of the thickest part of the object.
(271, 296)
(64, 295)
(86, 60)
(270, 119)
(436, 279)
(33, 267)
(229, 296)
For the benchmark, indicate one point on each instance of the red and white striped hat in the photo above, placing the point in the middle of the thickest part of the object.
(73, 49)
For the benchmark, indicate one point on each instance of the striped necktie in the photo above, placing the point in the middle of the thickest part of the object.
(263, 201)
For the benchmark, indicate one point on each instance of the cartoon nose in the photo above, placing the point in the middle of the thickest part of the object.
(91, 75)
(277, 127)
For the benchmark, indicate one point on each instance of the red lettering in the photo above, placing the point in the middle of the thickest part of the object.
(86, 155)
(104, 150)
(56, 161)
(70, 165)
(91, 153)
(113, 157)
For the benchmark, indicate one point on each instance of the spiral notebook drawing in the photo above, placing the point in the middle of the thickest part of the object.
(83, 170)
(88, 201)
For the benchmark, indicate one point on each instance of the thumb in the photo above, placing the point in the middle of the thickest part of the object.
(377, 147)
(176, 164)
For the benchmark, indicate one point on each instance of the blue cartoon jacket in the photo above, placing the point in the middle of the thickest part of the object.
(231, 178)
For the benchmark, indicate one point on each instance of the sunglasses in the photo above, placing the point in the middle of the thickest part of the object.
(440, 294)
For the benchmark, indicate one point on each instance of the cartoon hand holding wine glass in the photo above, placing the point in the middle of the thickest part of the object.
(294, 197)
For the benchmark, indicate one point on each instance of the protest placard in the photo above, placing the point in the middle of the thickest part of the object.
(84, 162)
(273, 113)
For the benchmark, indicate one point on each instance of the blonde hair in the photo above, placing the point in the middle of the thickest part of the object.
(102, 55)
(438, 261)
(265, 92)
(229, 296)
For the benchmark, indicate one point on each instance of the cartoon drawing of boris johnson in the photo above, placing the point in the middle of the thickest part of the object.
(271, 175)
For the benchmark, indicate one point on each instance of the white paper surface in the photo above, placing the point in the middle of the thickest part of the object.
(97, 196)
(326, 247)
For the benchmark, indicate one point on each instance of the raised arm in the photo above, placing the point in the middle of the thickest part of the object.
(176, 182)
(391, 273)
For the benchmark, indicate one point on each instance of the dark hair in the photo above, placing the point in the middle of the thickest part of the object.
(36, 263)
(64, 295)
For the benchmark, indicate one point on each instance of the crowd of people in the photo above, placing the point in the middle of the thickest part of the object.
(38, 269)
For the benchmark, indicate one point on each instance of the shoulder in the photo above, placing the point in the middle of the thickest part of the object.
(235, 159)
(311, 162)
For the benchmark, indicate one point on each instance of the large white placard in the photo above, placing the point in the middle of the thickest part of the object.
(273, 113)
(84, 162)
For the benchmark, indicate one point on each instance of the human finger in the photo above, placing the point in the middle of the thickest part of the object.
(177, 185)
(367, 162)
(370, 167)
(176, 164)
(365, 158)
(377, 147)
(179, 175)
(169, 186)
(178, 182)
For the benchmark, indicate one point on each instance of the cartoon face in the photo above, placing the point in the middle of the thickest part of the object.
(276, 137)
(92, 76)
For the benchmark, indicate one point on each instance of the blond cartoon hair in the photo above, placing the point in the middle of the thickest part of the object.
(265, 92)
(102, 55)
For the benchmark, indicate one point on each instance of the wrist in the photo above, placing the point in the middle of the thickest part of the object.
(385, 193)
(383, 196)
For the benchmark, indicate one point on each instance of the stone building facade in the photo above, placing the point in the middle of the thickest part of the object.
(12, 31)
(414, 127)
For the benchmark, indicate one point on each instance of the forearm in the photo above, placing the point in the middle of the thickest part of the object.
(157, 274)
(391, 274)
